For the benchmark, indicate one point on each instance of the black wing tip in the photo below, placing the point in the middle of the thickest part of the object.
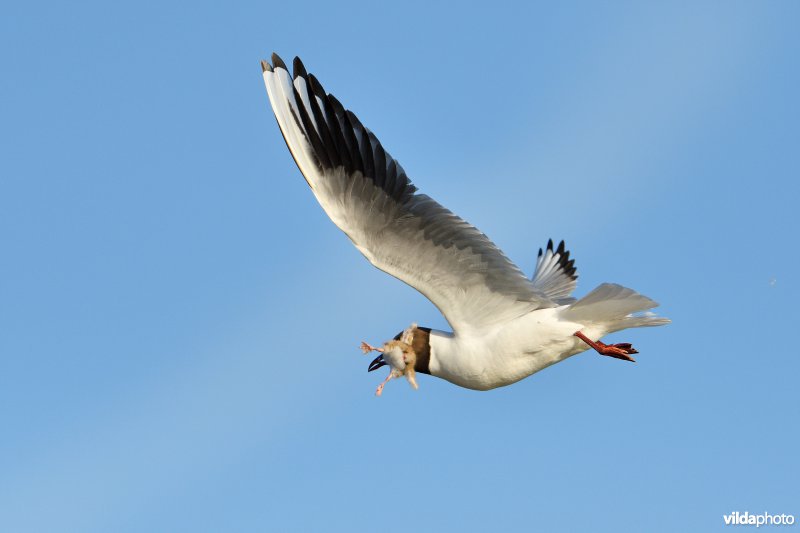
(338, 108)
(277, 62)
(335, 101)
(338, 138)
(354, 120)
(569, 270)
(265, 67)
(298, 69)
(566, 264)
(316, 86)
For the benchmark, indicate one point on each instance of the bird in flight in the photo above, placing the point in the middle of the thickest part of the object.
(505, 326)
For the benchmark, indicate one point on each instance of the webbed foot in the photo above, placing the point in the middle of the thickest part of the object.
(622, 350)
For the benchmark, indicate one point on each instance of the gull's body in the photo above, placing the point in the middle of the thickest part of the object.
(505, 326)
(507, 354)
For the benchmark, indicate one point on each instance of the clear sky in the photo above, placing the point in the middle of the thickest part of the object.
(179, 320)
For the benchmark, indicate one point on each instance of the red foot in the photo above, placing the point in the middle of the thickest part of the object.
(617, 351)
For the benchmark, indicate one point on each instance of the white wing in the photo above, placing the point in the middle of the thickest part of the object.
(368, 196)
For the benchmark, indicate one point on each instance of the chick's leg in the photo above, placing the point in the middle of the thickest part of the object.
(366, 348)
(379, 390)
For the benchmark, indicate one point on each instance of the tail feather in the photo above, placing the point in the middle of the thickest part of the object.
(614, 304)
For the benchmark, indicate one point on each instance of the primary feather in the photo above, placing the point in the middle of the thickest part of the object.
(555, 273)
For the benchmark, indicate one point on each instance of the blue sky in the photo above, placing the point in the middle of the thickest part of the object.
(180, 321)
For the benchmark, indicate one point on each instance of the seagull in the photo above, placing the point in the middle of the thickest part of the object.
(505, 327)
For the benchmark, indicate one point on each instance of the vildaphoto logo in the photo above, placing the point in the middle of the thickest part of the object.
(765, 519)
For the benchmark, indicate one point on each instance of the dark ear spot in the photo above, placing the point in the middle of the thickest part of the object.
(397, 337)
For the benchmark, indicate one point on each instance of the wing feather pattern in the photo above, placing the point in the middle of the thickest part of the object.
(555, 273)
(406, 234)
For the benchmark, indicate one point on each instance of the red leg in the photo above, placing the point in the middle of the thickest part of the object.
(617, 351)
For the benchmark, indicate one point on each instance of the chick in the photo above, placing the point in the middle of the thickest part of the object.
(399, 356)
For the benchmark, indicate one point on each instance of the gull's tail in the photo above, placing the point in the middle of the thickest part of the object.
(615, 307)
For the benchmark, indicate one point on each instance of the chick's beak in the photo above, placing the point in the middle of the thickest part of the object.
(376, 363)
